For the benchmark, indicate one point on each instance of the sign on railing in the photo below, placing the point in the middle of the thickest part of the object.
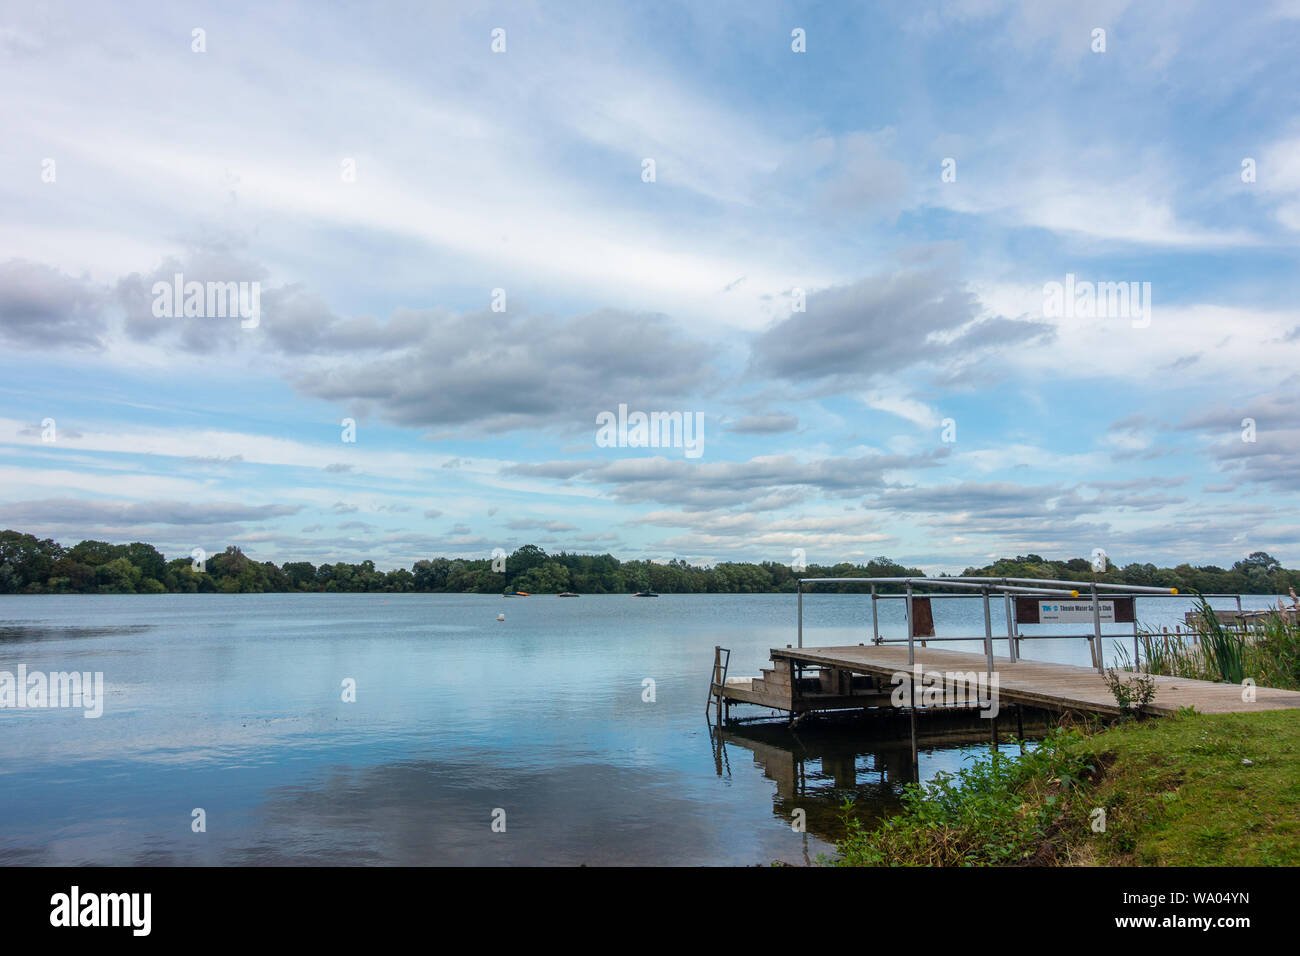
(1113, 610)
(922, 617)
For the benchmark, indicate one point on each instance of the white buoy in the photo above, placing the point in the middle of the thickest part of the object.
(501, 617)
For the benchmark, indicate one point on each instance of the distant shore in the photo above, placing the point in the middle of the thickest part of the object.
(31, 565)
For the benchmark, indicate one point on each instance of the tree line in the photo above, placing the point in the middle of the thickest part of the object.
(31, 565)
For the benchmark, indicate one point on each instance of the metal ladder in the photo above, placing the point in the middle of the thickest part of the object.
(718, 680)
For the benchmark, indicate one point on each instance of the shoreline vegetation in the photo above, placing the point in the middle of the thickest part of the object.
(31, 565)
(1186, 790)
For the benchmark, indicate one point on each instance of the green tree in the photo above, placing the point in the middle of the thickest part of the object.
(118, 576)
(29, 560)
(521, 562)
(549, 578)
(300, 575)
(147, 558)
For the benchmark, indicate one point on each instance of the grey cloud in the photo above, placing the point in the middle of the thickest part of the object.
(997, 332)
(76, 511)
(387, 551)
(1185, 361)
(1130, 423)
(206, 262)
(864, 178)
(764, 424)
(1138, 484)
(43, 307)
(1271, 458)
(848, 175)
(996, 503)
(880, 325)
(530, 524)
(551, 469)
(755, 483)
(1149, 454)
(1282, 405)
(993, 500)
(748, 524)
(18, 43)
(299, 322)
(34, 431)
(213, 459)
(506, 371)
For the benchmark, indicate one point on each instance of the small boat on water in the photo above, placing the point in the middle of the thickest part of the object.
(568, 594)
(516, 594)
(645, 594)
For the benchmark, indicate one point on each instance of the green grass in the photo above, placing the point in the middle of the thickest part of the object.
(1179, 794)
(1175, 792)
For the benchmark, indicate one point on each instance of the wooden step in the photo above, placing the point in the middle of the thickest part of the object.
(775, 678)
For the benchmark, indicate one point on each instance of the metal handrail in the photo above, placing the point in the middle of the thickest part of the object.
(1005, 586)
(1038, 584)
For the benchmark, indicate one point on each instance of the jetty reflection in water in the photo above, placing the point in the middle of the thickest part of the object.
(868, 759)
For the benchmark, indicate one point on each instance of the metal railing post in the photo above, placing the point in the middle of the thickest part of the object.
(911, 687)
(911, 644)
(799, 588)
(1096, 630)
(988, 635)
(1011, 629)
(875, 620)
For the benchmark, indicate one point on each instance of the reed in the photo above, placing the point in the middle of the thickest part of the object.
(1267, 651)
(1223, 649)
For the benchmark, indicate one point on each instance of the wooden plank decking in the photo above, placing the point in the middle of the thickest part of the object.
(1033, 683)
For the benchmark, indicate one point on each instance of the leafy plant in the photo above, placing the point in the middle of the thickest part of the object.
(997, 811)
(1133, 694)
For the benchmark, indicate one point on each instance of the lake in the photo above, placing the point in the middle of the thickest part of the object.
(234, 704)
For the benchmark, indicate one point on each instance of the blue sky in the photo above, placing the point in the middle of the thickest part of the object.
(780, 178)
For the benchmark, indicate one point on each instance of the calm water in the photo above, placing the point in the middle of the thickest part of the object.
(233, 703)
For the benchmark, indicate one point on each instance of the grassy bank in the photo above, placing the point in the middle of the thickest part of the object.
(1190, 790)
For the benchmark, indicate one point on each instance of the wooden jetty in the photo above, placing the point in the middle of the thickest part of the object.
(839, 678)
(1242, 619)
(807, 679)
